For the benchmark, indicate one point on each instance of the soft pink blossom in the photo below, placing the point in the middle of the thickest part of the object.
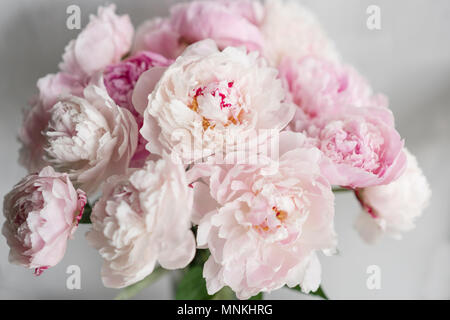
(157, 35)
(42, 213)
(53, 86)
(393, 208)
(32, 140)
(120, 80)
(91, 138)
(228, 23)
(320, 87)
(361, 147)
(105, 40)
(264, 226)
(291, 30)
(143, 218)
(208, 98)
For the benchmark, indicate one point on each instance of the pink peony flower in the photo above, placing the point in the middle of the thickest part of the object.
(143, 218)
(229, 23)
(91, 138)
(291, 30)
(42, 213)
(319, 87)
(264, 227)
(35, 121)
(105, 40)
(157, 35)
(53, 86)
(120, 80)
(393, 208)
(360, 145)
(208, 98)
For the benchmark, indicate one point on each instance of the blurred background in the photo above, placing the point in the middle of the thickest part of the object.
(408, 60)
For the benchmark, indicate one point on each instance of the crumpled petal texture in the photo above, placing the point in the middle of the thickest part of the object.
(143, 218)
(207, 98)
(394, 207)
(361, 147)
(228, 23)
(120, 80)
(105, 39)
(266, 226)
(42, 213)
(91, 138)
(320, 87)
(292, 31)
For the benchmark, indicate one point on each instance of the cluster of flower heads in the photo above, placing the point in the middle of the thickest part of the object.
(143, 117)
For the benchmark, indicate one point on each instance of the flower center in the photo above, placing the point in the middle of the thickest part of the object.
(219, 103)
(356, 144)
(273, 221)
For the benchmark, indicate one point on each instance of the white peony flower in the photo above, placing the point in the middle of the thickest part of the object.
(393, 208)
(91, 138)
(208, 99)
(143, 218)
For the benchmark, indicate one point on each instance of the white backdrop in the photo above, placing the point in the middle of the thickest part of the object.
(408, 59)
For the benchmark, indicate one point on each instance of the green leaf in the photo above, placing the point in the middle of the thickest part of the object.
(200, 257)
(338, 189)
(259, 296)
(130, 291)
(86, 218)
(319, 292)
(192, 286)
(224, 294)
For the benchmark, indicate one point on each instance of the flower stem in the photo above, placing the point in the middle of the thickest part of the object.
(341, 189)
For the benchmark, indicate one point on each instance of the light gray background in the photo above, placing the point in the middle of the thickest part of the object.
(408, 59)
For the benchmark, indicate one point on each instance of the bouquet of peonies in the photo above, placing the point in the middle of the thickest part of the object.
(210, 141)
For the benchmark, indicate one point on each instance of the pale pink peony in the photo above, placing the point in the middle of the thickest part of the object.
(361, 147)
(42, 213)
(393, 208)
(36, 117)
(105, 40)
(91, 138)
(53, 86)
(264, 227)
(207, 98)
(320, 87)
(120, 80)
(30, 135)
(228, 23)
(157, 35)
(291, 30)
(143, 218)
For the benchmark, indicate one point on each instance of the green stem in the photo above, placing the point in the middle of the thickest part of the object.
(86, 218)
(341, 190)
(134, 289)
